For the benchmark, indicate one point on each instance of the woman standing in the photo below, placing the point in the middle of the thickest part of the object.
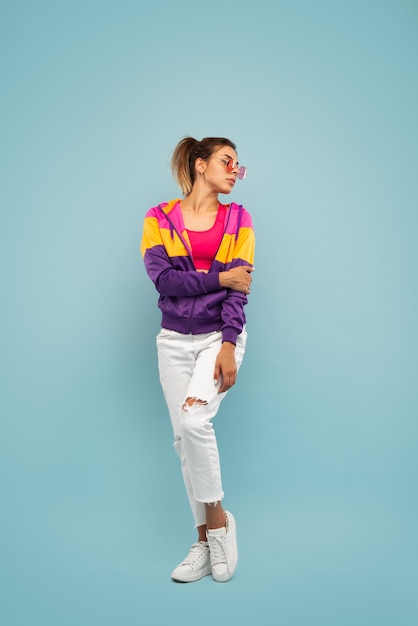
(199, 254)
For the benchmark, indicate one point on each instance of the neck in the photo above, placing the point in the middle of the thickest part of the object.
(201, 201)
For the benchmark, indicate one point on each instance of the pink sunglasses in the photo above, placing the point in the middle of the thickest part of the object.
(231, 165)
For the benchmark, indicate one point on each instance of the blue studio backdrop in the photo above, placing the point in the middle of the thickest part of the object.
(318, 437)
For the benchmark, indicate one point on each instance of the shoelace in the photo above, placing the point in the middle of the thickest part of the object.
(196, 552)
(217, 552)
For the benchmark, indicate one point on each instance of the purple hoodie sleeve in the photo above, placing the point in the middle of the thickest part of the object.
(233, 316)
(176, 282)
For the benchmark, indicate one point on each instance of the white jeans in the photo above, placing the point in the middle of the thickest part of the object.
(186, 365)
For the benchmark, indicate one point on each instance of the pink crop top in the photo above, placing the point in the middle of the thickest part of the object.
(205, 243)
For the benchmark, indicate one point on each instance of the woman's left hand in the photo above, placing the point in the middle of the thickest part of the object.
(225, 367)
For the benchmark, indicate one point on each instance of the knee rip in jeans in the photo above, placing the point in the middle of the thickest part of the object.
(190, 402)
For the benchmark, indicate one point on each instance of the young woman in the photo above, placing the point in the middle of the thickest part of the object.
(199, 254)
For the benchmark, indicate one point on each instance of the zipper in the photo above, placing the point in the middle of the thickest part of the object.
(226, 226)
(189, 252)
(173, 228)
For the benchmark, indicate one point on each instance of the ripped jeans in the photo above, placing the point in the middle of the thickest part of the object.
(186, 364)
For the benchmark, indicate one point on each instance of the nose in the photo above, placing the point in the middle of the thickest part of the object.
(236, 170)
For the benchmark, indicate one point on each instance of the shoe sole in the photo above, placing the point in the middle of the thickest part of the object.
(192, 576)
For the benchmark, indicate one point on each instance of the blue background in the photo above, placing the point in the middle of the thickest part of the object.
(319, 437)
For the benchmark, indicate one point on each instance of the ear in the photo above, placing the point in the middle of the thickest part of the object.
(200, 165)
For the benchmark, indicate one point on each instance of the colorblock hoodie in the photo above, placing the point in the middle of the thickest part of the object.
(191, 301)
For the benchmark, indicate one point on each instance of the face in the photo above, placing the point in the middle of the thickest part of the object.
(221, 170)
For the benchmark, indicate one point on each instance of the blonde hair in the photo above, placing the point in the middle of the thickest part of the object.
(185, 154)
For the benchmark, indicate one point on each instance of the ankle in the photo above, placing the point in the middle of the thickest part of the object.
(201, 533)
(216, 517)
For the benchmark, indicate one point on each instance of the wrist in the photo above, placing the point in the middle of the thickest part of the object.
(223, 279)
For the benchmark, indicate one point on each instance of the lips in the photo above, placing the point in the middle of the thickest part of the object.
(231, 180)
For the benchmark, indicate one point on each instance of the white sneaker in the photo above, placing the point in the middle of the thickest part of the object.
(195, 565)
(223, 549)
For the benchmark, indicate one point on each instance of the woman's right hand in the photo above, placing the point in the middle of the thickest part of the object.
(238, 278)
